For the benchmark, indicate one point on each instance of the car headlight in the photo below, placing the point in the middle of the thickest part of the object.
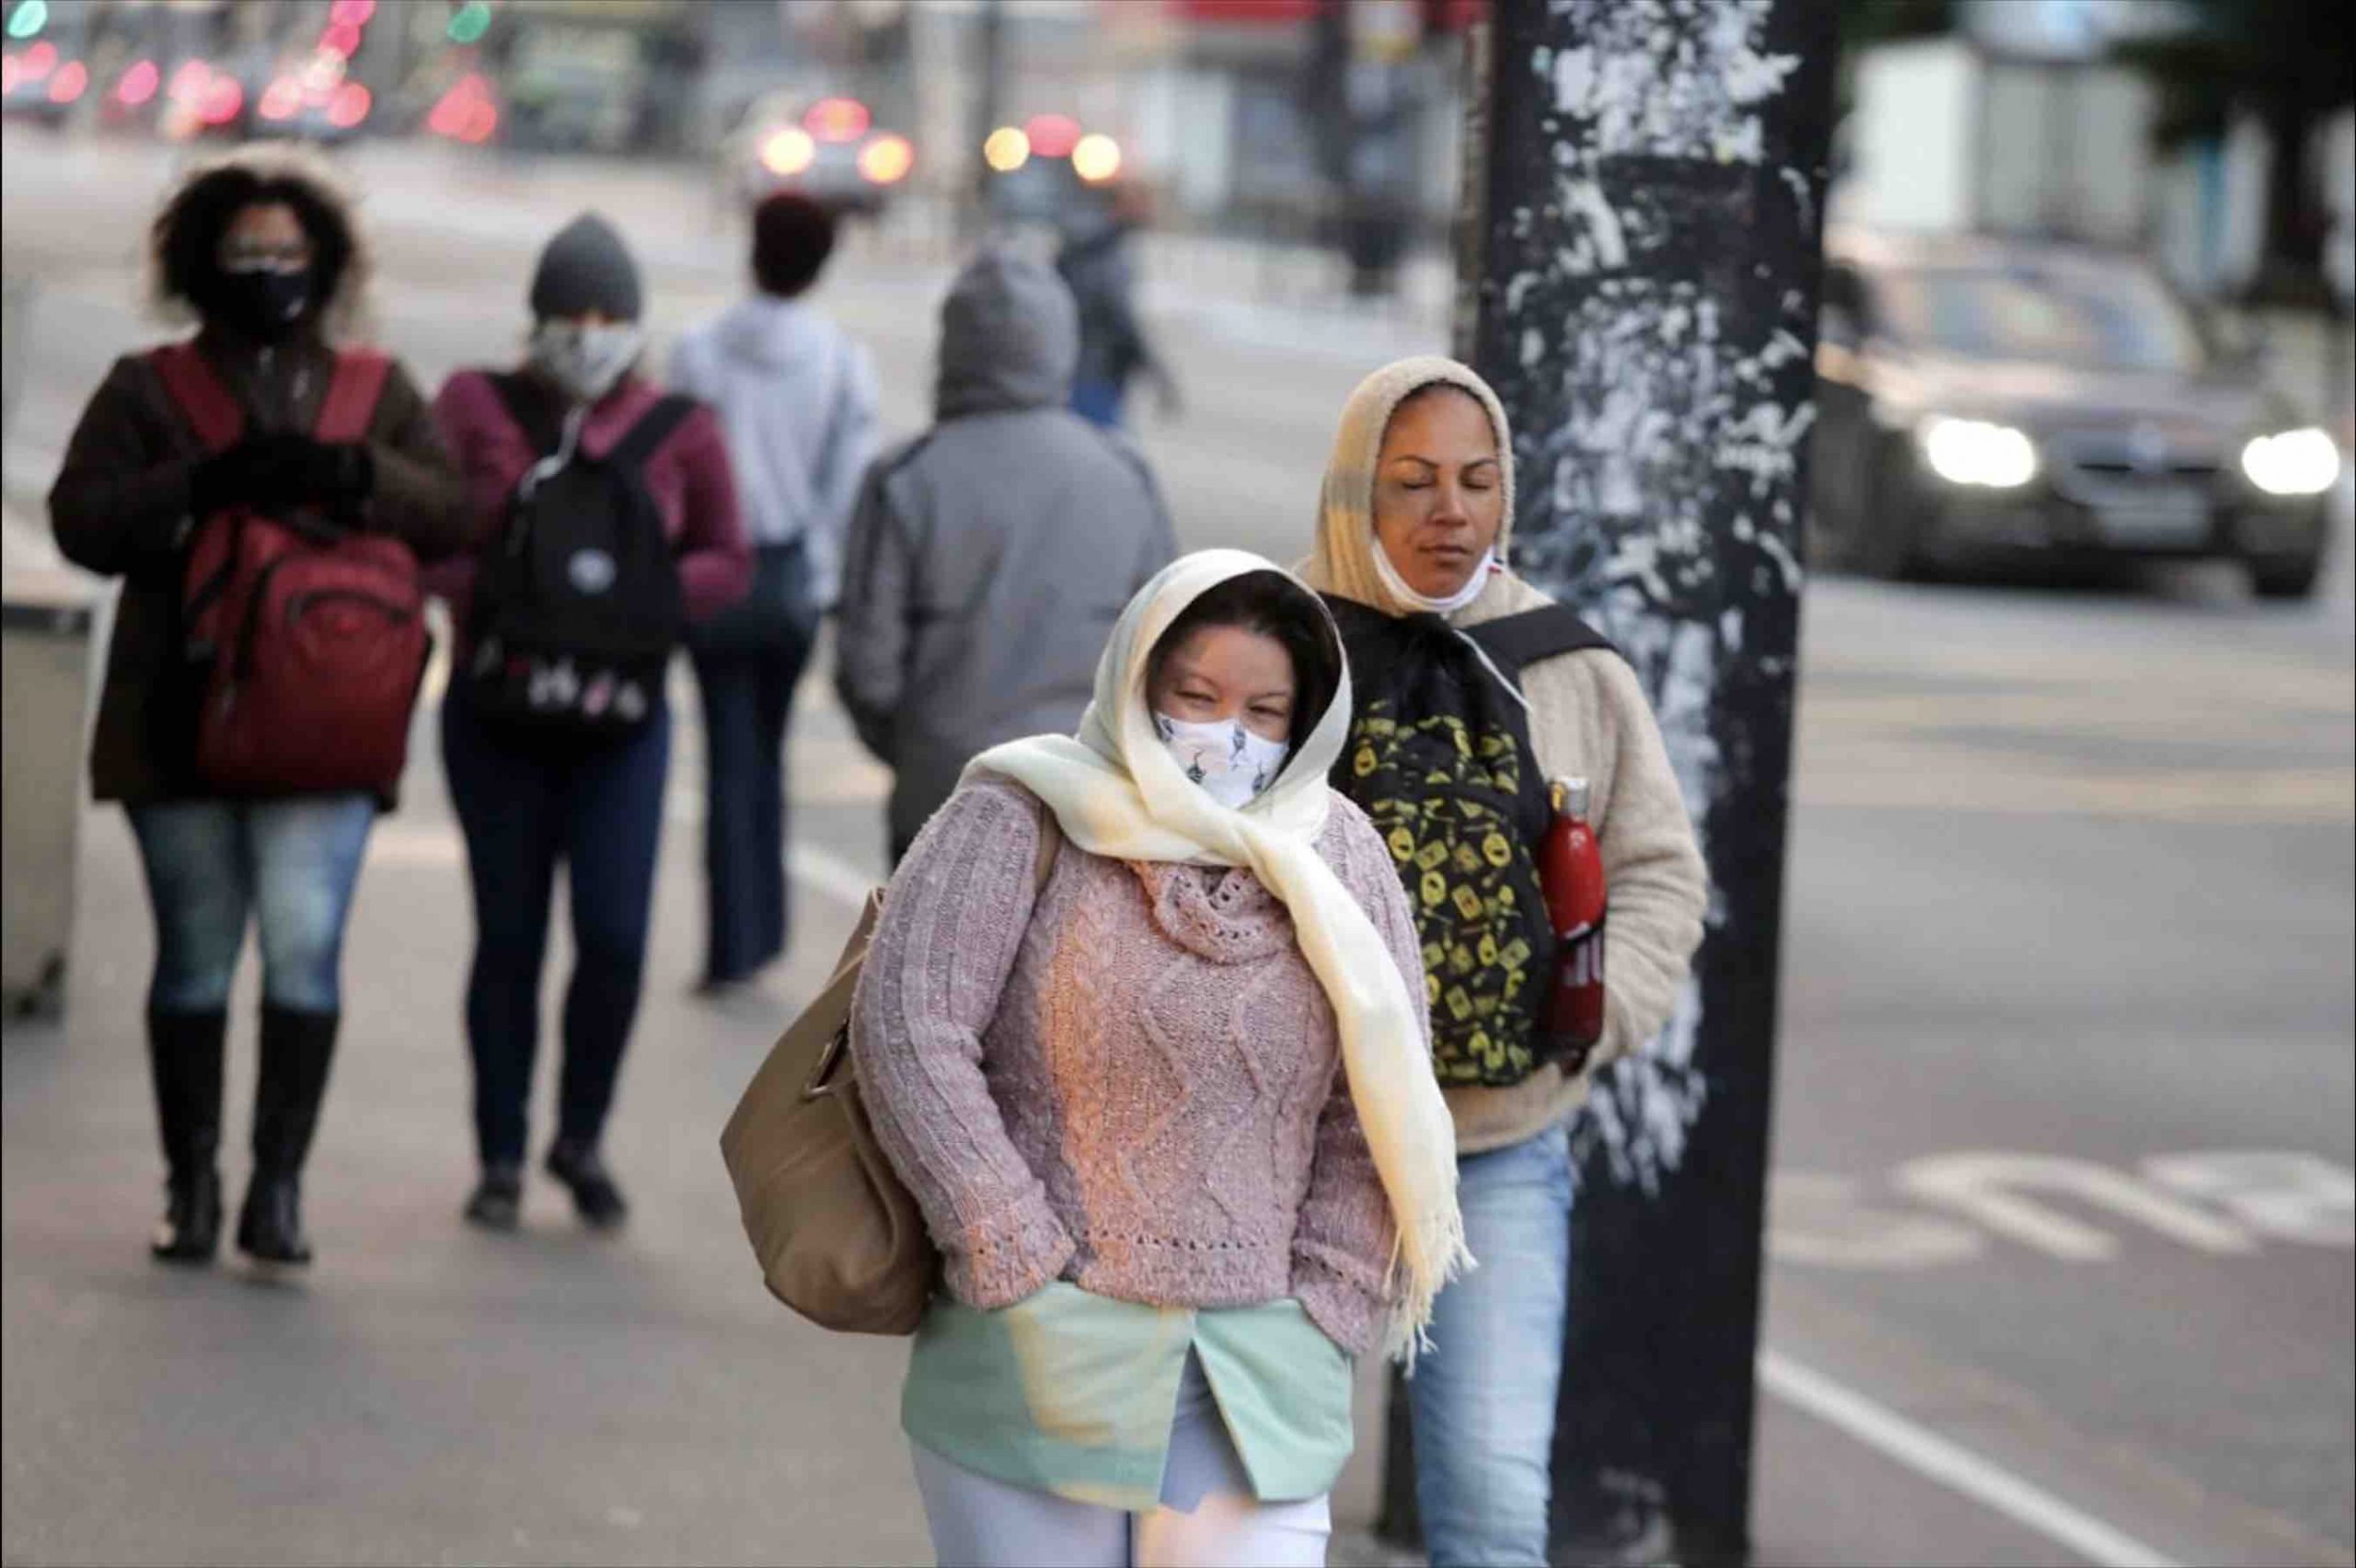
(2296, 462)
(1973, 452)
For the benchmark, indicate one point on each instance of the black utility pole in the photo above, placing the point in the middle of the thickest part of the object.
(1649, 251)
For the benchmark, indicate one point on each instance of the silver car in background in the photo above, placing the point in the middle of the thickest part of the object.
(829, 149)
(2002, 402)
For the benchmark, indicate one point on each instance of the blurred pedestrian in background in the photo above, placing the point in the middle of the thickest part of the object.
(798, 400)
(1098, 262)
(607, 519)
(264, 251)
(1141, 1027)
(990, 557)
(1468, 674)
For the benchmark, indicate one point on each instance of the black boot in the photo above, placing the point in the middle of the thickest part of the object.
(496, 1202)
(578, 1166)
(184, 1060)
(296, 1050)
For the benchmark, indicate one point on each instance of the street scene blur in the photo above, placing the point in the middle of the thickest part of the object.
(914, 337)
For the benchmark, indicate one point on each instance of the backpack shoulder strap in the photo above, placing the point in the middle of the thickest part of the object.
(1521, 641)
(654, 427)
(350, 406)
(1373, 640)
(197, 391)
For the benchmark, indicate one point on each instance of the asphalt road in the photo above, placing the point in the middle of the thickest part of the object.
(2064, 1126)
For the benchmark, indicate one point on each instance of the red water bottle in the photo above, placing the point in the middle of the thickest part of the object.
(1570, 868)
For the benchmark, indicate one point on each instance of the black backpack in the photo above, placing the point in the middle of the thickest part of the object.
(1440, 756)
(576, 605)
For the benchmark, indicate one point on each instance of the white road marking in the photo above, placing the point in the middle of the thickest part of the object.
(1991, 1189)
(1958, 1468)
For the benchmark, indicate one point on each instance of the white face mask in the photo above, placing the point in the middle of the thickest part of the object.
(1231, 764)
(1447, 607)
(584, 363)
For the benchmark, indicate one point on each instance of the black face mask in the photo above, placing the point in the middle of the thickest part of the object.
(264, 306)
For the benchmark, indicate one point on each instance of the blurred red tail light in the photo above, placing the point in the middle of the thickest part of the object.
(1053, 136)
(138, 84)
(282, 99)
(838, 120)
(224, 99)
(349, 107)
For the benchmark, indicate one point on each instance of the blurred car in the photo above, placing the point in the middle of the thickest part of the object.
(1984, 401)
(41, 82)
(829, 149)
(1049, 170)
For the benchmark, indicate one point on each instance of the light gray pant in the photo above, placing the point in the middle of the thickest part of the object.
(1207, 1516)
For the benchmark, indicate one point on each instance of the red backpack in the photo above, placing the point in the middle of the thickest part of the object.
(307, 644)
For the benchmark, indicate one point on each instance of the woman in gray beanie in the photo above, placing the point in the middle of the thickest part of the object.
(551, 756)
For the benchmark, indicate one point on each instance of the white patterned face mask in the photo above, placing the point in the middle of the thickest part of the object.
(1231, 764)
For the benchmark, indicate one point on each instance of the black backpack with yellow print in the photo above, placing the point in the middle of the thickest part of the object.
(1440, 756)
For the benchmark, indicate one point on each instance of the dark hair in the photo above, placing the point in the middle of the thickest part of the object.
(184, 243)
(792, 237)
(1275, 606)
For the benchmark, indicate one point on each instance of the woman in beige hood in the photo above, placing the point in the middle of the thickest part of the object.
(1502, 690)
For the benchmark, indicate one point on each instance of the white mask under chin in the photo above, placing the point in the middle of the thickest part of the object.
(585, 361)
(1231, 764)
(1447, 607)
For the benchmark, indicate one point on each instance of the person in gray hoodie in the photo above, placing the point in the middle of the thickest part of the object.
(797, 397)
(988, 558)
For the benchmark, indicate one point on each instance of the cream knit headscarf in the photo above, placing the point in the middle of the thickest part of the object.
(1344, 562)
(1117, 792)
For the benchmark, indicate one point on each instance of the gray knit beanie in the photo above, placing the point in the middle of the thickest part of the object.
(587, 266)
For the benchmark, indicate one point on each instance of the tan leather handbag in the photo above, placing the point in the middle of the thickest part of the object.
(839, 1237)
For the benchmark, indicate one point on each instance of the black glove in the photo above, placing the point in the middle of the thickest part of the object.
(233, 477)
(299, 471)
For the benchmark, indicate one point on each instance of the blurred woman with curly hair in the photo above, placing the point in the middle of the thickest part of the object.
(264, 253)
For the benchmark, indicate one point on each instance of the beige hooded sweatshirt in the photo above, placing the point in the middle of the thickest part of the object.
(1587, 719)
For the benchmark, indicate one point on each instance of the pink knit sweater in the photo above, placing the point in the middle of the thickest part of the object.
(1135, 1086)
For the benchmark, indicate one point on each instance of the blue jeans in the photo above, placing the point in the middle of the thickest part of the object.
(1100, 402)
(288, 865)
(524, 806)
(1483, 1398)
(748, 705)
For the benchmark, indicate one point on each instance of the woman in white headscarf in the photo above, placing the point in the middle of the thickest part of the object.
(1468, 675)
(1139, 1030)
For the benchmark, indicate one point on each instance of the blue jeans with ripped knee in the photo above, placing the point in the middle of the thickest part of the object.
(287, 866)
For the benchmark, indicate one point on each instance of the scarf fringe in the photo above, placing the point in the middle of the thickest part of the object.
(1422, 1263)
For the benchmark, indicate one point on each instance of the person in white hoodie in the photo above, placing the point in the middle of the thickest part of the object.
(797, 397)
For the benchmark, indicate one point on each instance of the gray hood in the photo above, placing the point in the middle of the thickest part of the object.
(1010, 338)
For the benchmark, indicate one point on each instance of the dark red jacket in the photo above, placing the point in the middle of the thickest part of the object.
(121, 508)
(688, 477)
